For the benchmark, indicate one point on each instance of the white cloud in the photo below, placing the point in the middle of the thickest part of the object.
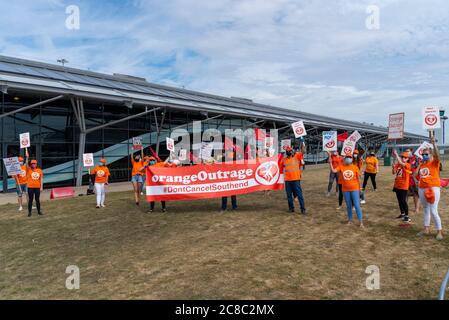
(315, 56)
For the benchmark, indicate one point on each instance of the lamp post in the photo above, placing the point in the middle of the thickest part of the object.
(443, 118)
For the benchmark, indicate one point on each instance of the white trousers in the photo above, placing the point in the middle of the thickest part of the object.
(100, 191)
(430, 209)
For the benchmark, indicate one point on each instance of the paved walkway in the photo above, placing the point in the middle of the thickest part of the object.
(11, 197)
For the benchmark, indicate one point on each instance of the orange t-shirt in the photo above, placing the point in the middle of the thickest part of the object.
(22, 178)
(336, 160)
(292, 167)
(349, 177)
(34, 178)
(402, 181)
(137, 165)
(429, 174)
(101, 173)
(371, 164)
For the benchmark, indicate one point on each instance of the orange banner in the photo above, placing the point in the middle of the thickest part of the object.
(213, 181)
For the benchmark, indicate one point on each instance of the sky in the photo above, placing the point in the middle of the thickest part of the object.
(316, 56)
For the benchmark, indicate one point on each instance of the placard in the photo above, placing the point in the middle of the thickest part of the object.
(396, 126)
(299, 129)
(12, 166)
(286, 143)
(206, 151)
(170, 144)
(330, 141)
(431, 118)
(137, 143)
(424, 145)
(88, 159)
(182, 155)
(25, 141)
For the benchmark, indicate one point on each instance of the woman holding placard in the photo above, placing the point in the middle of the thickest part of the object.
(35, 184)
(429, 188)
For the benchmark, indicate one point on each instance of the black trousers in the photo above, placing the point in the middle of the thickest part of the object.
(340, 195)
(373, 179)
(224, 202)
(152, 205)
(34, 194)
(402, 200)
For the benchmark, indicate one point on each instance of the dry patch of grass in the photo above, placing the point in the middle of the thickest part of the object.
(192, 252)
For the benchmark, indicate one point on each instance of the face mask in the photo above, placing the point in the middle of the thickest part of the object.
(348, 160)
(137, 158)
(356, 156)
(34, 166)
(426, 157)
(289, 153)
(152, 162)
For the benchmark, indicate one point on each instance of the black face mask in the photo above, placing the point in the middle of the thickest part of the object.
(289, 153)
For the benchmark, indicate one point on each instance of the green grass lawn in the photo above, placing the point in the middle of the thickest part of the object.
(192, 252)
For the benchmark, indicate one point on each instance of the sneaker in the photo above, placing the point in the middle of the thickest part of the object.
(164, 210)
(401, 216)
(141, 193)
(406, 219)
(20, 208)
(221, 211)
(291, 210)
(98, 207)
(439, 236)
(362, 202)
(422, 234)
(29, 214)
(40, 213)
(339, 208)
(150, 211)
(328, 194)
(103, 205)
(303, 211)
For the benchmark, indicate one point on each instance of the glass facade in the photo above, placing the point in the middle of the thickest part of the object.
(55, 134)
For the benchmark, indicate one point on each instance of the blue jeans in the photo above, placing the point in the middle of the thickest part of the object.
(352, 198)
(224, 202)
(294, 187)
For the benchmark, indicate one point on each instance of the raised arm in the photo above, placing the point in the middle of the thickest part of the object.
(436, 152)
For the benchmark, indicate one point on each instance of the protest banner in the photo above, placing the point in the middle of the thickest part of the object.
(213, 181)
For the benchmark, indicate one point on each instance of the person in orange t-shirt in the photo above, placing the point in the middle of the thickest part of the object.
(101, 173)
(429, 188)
(291, 164)
(21, 183)
(350, 174)
(358, 161)
(334, 161)
(137, 176)
(371, 170)
(334, 165)
(35, 184)
(402, 170)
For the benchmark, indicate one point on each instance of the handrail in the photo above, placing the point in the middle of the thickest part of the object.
(443, 286)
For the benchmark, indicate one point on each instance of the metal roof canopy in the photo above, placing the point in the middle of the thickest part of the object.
(46, 78)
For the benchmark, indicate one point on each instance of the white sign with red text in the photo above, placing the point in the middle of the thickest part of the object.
(423, 146)
(170, 144)
(299, 129)
(431, 118)
(88, 159)
(396, 126)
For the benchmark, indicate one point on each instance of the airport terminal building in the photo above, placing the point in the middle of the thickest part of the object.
(69, 112)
